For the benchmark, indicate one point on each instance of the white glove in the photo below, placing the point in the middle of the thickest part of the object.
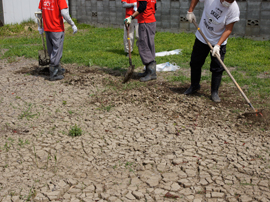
(135, 6)
(128, 20)
(41, 30)
(75, 29)
(190, 17)
(215, 51)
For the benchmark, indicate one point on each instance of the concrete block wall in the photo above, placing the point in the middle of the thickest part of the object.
(171, 15)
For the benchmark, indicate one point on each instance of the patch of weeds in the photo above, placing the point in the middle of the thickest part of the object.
(22, 143)
(75, 131)
(105, 108)
(27, 113)
(35, 155)
(7, 147)
(64, 132)
(57, 110)
(32, 194)
(70, 112)
(128, 165)
(64, 102)
(11, 59)
(132, 85)
(181, 78)
(55, 163)
(11, 140)
(17, 97)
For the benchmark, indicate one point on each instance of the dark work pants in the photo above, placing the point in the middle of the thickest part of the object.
(146, 43)
(198, 56)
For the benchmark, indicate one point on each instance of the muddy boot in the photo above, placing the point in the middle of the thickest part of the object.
(195, 82)
(151, 73)
(215, 83)
(192, 89)
(144, 73)
(61, 70)
(54, 75)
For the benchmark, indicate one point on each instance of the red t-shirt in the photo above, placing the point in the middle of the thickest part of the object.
(130, 11)
(51, 14)
(148, 16)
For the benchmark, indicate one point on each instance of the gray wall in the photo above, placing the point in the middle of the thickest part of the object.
(170, 15)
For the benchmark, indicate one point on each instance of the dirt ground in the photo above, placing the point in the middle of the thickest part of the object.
(139, 142)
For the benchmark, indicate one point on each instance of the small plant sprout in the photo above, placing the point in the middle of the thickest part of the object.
(75, 131)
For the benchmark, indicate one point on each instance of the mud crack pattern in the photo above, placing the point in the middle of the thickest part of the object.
(140, 142)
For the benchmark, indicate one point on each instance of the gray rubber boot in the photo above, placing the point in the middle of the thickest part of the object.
(61, 70)
(215, 83)
(151, 74)
(54, 74)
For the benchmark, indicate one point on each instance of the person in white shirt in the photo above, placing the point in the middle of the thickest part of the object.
(217, 23)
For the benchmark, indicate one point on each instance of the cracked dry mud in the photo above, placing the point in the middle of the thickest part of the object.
(140, 142)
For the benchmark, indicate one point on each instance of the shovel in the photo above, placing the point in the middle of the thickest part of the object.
(227, 70)
(131, 67)
(43, 57)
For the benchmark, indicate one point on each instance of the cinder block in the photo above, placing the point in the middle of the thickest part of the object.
(264, 31)
(165, 18)
(184, 26)
(165, 5)
(265, 15)
(99, 4)
(242, 6)
(239, 27)
(100, 9)
(266, 6)
(175, 4)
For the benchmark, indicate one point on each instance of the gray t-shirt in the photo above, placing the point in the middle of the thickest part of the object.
(214, 19)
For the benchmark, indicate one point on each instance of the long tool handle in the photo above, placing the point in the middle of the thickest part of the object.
(128, 38)
(42, 36)
(227, 70)
(45, 52)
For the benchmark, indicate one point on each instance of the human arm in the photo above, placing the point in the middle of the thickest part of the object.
(193, 5)
(127, 5)
(66, 16)
(224, 36)
(190, 15)
(142, 7)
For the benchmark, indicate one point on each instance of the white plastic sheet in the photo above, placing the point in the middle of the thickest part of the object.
(173, 52)
(167, 67)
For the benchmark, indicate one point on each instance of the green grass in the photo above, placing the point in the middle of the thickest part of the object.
(104, 47)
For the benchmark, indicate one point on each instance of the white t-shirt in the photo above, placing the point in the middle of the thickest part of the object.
(214, 19)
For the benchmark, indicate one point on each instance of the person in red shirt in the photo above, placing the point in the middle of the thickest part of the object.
(147, 29)
(53, 12)
(131, 7)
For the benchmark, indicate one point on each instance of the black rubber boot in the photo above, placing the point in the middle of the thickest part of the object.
(151, 73)
(192, 89)
(144, 73)
(195, 82)
(215, 83)
(54, 74)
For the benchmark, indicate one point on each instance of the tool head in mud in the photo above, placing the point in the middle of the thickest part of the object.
(129, 73)
(43, 59)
